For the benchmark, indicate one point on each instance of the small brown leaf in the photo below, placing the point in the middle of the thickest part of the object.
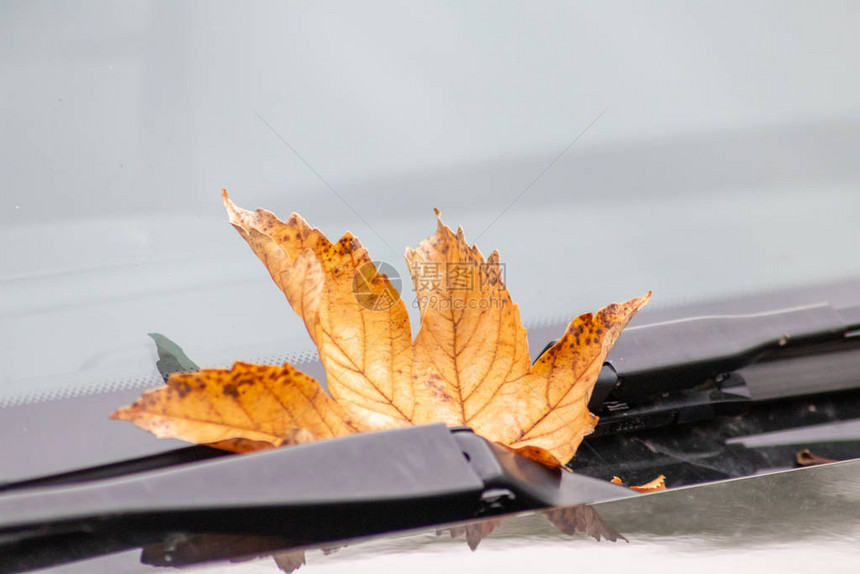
(805, 457)
(658, 483)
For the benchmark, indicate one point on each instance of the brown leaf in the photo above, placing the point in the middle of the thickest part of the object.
(806, 457)
(469, 363)
(658, 483)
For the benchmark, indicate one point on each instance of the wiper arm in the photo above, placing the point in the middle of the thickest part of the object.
(331, 490)
(696, 368)
(671, 356)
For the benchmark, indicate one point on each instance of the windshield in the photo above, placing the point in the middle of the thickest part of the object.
(696, 152)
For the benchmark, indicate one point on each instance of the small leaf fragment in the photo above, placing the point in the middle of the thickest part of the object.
(171, 357)
(806, 457)
(658, 483)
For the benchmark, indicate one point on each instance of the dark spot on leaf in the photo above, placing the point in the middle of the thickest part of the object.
(231, 391)
(182, 389)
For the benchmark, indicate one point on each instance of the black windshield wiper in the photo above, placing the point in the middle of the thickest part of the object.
(726, 394)
(693, 369)
(331, 490)
(658, 376)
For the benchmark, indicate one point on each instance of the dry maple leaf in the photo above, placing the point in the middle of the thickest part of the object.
(468, 365)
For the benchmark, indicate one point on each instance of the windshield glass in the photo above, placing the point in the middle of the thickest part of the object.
(696, 152)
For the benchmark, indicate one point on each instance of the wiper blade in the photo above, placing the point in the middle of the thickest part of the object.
(693, 369)
(670, 356)
(331, 490)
